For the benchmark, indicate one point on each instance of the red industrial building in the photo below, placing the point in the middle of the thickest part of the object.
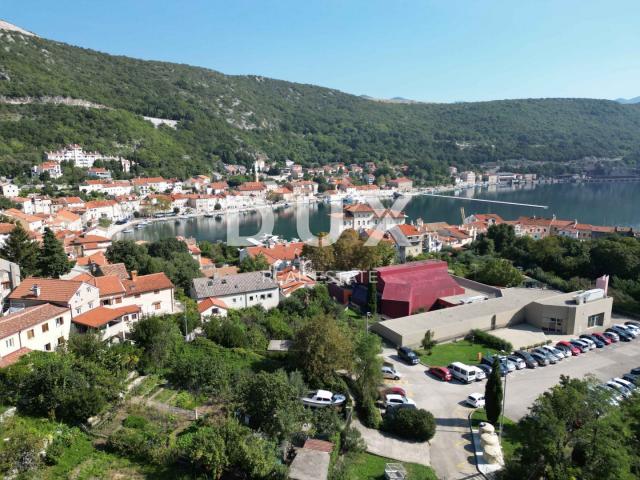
(405, 289)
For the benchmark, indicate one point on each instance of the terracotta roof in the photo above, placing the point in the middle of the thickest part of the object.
(13, 357)
(12, 212)
(408, 230)
(118, 269)
(6, 228)
(27, 318)
(109, 285)
(90, 239)
(84, 277)
(280, 251)
(207, 303)
(102, 315)
(401, 180)
(147, 283)
(97, 259)
(68, 200)
(251, 186)
(51, 290)
(319, 445)
(144, 181)
(100, 204)
(359, 207)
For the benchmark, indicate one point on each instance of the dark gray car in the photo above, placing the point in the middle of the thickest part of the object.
(529, 360)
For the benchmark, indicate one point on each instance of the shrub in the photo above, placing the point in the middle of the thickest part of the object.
(57, 447)
(135, 421)
(369, 414)
(491, 341)
(412, 424)
(352, 441)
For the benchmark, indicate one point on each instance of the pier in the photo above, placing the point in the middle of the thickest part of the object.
(484, 200)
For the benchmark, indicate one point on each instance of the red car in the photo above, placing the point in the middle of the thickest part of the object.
(395, 391)
(441, 372)
(603, 338)
(573, 349)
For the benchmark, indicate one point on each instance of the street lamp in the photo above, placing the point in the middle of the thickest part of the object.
(504, 400)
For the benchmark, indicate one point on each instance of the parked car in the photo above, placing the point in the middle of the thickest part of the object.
(588, 341)
(596, 341)
(392, 399)
(614, 396)
(566, 345)
(611, 335)
(390, 372)
(632, 322)
(462, 372)
(622, 334)
(624, 328)
(480, 375)
(503, 368)
(485, 368)
(635, 371)
(529, 360)
(634, 328)
(475, 400)
(508, 363)
(549, 356)
(517, 361)
(395, 391)
(602, 338)
(442, 373)
(580, 344)
(540, 359)
(626, 393)
(408, 355)
(560, 355)
(630, 377)
(625, 383)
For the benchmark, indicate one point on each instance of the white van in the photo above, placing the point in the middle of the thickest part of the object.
(463, 372)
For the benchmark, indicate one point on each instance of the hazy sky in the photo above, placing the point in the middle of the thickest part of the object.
(441, 50)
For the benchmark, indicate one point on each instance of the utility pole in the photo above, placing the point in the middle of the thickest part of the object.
(504, 401)
(186, 333)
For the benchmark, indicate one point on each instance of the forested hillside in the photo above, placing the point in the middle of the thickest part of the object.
(230, 118)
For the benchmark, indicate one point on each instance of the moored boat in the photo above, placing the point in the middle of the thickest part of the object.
(323, 398)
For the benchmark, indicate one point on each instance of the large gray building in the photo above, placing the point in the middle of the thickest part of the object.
(239, 291)
(551, 311)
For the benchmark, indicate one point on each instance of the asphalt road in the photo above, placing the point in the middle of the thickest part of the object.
(451, 451)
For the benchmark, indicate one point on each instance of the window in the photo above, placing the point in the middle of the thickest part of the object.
(234, 300)
(78, 293)
(250, 297)
(59, 321)
(45, 327)
(6, 285)
(595, 320)
(47, 347)
(156, 292)
(552, 325)
(119, 300)
(137, 295)
(90, 304)
(262, 297)
(78, 310)
(31, 334)
(156, 305)
(269, 295)
(9, 342)
(60, 340)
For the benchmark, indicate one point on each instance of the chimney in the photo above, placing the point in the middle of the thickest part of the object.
(134, 274)
(36, 290)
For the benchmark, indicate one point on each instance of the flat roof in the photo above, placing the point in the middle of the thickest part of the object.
(511, 299)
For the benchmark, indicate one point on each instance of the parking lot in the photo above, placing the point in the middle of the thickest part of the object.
(450, 451)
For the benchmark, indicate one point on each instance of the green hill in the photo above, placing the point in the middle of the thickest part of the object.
(231, 118)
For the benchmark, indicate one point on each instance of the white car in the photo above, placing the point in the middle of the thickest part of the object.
(475, 400)
(626, 328)
(393, 399)
(589, 342)
(480, 375)
(632, 327)
(625, 383)
(519, 362)
(390, 373)
(622, 390)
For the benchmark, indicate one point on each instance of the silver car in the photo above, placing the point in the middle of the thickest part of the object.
(519, 363)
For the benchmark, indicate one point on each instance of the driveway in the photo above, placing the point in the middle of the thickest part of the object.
(450, 451)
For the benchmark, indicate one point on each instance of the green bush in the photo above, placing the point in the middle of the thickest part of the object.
(352, 441)
(412, 424)
(136, 421)
(491, 341)
(369, 414)
(57, 447)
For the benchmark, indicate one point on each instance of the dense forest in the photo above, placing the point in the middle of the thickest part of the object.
(231, 118)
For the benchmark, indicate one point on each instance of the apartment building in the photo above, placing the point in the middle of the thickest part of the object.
(239, 291)
(77, 296)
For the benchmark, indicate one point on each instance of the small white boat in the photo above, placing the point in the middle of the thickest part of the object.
(140, 226)
(323, 398)
(128, 230)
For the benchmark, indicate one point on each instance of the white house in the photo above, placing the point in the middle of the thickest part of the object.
(97, 209)
(212, 307)
(153, 293)
(39, 327)
(52, 168)
(110, 323)
(9, 190)
(239, 291)
(9, 278)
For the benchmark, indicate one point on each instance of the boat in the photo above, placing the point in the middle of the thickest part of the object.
(128, 230)
(140, 226)
(218, 217)
(208, 215)
(323, 398)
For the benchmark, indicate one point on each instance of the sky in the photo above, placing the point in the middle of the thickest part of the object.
(426, 50)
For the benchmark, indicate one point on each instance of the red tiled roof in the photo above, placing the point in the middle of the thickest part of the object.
(27, 318)
(6, 228)
(90, 239)
(51, 290)
(102, 315)
(100, 204)
(408, 230)
(319, 445)
(97, 259)
(147, 283)
(280, 251)
(209, 302)
(118, 269)
(251, 186)
(13, 357)
(109, 285)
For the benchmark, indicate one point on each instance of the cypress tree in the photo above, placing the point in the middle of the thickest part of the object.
(53, 259)
(493, 393)
(20, 249)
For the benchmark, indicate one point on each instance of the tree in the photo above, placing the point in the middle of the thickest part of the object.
(410, 423)
(372, 297)
(320, 348)
(254, 264)
(500, 272)
(493, 393)
(20, 249)
(134, 256)
(503, 236)
(159, 338)
(53, 259)
(204, 448)
(167, 247)
(428, 342)
(272, 403)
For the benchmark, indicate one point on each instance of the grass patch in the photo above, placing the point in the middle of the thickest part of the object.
(509, 428)
(164, 395)
(147, 386)
(463, 351)
(365, 466)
